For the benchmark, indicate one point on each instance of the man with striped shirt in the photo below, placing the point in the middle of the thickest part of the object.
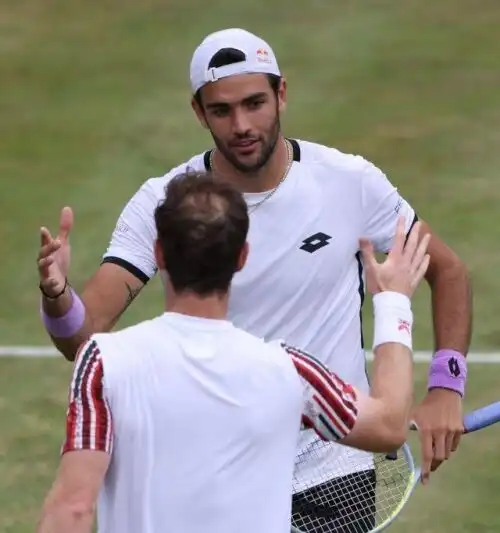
(187, 423)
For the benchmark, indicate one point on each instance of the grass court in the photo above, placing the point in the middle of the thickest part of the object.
(95, 100)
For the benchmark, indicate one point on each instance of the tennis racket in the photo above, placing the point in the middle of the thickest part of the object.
(370, 499)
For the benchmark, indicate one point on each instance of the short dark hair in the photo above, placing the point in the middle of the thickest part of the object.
(202, 226)
(228, 56)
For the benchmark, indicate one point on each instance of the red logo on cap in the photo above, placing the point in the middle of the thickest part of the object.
(263, 55)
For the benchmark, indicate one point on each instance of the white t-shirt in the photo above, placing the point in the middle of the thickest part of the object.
(303, 281)
(201, 420)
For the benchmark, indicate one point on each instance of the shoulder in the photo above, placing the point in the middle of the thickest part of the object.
(122, 352)
(335, 162)
(88, 352)
(88, 370)
(280, 350)
(153, 189)
(259, 347)
(124, 345)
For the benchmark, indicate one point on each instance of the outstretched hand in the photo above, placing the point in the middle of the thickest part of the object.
(405, 265)
(54, 255)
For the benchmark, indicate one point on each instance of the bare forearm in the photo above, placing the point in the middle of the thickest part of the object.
(393, 362)
(383, 416)
(63, 518)
(392, 382)
(452, 308)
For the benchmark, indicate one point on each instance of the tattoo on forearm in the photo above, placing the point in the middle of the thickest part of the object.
(132, 293)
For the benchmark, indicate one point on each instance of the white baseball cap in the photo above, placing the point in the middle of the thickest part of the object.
(259, 57)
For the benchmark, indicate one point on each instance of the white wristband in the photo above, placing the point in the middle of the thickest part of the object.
(393, 319)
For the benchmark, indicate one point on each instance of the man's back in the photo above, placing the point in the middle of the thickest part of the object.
(206, 419)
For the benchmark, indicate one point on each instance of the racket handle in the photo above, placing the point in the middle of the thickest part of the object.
(482, 417)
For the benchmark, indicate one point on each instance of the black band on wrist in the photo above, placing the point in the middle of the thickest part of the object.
(54, 297)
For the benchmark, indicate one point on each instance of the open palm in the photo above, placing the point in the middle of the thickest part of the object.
(405, 265)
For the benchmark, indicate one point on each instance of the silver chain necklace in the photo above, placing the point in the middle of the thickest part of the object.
(289, 151)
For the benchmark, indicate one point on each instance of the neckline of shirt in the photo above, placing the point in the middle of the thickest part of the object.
(253, 197)
(196, 321)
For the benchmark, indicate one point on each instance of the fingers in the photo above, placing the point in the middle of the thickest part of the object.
(50, 284)
(46, 253)
(435, 464)
(456, 440)
(451, 441)
(450, 437)
(420, 261)
(46, 262)
(45, 236)
(49, 245)
(427, 454)
(412, 241)
(421, 249)
(368, 255)
(370, 265)
(399, 237)
(439, 447)
(420, 273)
(65, 223)
(52, 280)
(443, 448)
(367, 251)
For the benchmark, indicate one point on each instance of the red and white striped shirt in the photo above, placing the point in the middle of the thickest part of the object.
(329, 403)
(89, 421)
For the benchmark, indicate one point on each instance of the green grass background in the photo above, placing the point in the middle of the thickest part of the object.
(94, 99)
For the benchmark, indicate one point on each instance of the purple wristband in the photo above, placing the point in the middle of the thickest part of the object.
(67, 325)
(448, 370)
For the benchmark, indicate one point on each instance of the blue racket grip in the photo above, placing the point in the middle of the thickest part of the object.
(481, 418)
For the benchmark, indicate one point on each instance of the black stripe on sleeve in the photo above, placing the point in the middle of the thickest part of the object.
(361, 292)
(414, 221)
(129, 267)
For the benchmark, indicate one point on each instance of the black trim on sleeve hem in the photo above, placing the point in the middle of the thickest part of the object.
(361, 292)
(415, 220)
(129, 267)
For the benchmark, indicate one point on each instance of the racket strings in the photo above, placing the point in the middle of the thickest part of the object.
(353, 503)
